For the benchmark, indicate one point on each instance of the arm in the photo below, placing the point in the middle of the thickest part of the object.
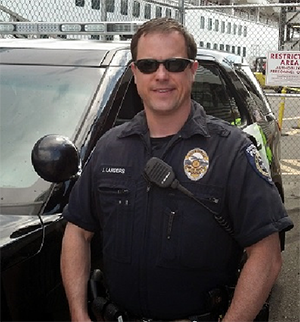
(256, 280)
(75, 269)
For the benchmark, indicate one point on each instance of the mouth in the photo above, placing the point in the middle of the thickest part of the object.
(163, 90)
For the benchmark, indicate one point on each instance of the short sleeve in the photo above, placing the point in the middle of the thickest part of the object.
(255, 205)
(80, 210)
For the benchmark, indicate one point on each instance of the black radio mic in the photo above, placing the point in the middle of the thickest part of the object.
(160, 173)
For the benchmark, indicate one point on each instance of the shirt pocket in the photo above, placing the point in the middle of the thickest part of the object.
(116, 200)
(191, 236)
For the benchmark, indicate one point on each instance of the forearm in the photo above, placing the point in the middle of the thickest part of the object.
(255, 282)
(75, 269)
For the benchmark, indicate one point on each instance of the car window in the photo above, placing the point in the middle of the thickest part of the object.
(257, 101)
(35, 101)
(210, 90)
(131, 102)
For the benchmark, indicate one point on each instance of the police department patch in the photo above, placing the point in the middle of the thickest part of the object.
(196, 164)
(257, 163)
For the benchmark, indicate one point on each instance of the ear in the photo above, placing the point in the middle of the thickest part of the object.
(194, 68)
(133, 69)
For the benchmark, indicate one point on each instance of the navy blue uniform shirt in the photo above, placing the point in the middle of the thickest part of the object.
(163, 251)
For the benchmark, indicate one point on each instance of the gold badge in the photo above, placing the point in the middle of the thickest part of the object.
(196, 164)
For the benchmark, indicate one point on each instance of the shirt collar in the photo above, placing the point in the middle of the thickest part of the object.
(195, 124)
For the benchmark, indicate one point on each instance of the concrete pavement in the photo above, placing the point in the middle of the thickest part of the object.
(285, 298)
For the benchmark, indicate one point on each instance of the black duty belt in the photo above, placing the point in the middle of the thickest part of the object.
(195, 318)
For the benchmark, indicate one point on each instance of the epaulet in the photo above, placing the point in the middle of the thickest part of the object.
(218, 126)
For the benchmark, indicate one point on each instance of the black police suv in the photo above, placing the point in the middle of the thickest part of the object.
(75, 90)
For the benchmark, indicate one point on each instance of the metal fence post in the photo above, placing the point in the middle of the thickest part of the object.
(281, 108)
(181, 11)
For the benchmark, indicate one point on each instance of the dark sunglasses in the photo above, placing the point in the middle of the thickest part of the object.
(173, 65)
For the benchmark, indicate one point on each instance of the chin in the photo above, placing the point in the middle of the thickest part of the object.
(164, 108)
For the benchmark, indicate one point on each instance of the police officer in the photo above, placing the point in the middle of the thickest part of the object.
(164, 253)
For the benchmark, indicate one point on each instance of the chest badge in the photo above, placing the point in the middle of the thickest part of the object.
(196, 164)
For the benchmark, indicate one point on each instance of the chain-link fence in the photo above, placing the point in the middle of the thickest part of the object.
(287, 107)
(232, 33)
(246, 30)
(87, 10)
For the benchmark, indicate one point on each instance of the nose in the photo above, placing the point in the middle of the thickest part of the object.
(161, 72)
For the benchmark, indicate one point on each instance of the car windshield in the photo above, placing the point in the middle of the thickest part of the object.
(35, 101)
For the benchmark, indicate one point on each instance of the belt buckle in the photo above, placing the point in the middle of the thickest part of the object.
(146, 320)
(202, 317)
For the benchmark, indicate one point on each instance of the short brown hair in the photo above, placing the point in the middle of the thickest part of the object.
(164, 25)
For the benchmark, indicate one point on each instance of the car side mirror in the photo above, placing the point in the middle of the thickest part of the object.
(55, 158)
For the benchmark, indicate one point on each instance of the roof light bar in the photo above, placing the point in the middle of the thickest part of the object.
(69, 28)
(99, 27)
(8, 29)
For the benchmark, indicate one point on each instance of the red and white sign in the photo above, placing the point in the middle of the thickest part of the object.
(283, 68)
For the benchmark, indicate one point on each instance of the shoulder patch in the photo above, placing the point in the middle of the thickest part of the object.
(254, 158)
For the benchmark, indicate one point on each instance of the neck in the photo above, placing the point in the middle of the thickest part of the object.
(164, 124)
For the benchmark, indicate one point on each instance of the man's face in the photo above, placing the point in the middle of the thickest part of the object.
(162, 91)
